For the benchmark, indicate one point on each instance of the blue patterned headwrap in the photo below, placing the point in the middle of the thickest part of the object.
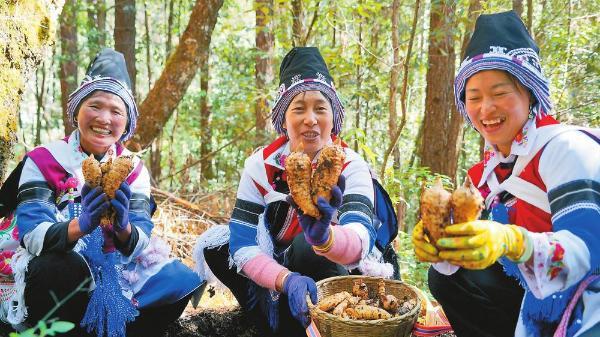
(303, 69)
(501, 42)
(107, 72)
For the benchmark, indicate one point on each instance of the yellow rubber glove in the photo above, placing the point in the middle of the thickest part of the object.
(478, 244)
(425, 251)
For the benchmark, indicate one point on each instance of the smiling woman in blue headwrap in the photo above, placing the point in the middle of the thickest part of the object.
(541, 184)
(270, 255)
(126, 275)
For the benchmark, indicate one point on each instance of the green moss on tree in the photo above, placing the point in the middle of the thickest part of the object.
(26, 30)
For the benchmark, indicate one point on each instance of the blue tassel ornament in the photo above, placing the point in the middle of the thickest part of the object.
(268, 304)
(540, 316)
(108, 311)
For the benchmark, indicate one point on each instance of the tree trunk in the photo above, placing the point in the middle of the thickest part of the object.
(178, 73)
(398, 131)
(394, 74)
(455, 133)
(155, 158)
(297, 23)
(265, 44)
(23, 48)
(40, 88)
(529, 16)
(148, 52)
(96, 33)
(205, 129)
(124, 35)
(68, 60)
(358, 78)
(316, 12)
(517, 6)
(436, 153)
(168, 45)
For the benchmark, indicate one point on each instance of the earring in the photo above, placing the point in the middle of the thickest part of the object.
(531, 111)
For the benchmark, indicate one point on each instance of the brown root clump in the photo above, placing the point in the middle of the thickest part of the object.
(435, 210)
(120, 169)
(361, 306)
(326, 175)
(467, 203)
(306, 185)
(298, 169)
(109, 175)
(92, 172)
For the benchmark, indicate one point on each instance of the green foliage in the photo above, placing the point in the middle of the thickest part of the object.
(411, 270)
(404, 186)
(42, 329)
(355, 39)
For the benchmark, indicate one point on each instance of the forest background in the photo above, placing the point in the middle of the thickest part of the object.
(205, 71)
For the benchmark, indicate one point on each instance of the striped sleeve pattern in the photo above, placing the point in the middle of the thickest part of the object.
(39, 228)
(357, 203)
(139, 216)
(243, 224)
(570, 168)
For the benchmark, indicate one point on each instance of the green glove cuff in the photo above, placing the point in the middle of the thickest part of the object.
(528, 247)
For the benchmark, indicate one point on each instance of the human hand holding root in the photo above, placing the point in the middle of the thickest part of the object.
(424, 250)
(478, 244)
(438, 206)
(317, 231)
(307, 186)
(93, 204)
(110, 176)
(296, 286)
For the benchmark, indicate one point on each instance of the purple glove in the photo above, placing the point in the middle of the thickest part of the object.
(121, 206)
(93, 203)
(296, 286)
(316, 231)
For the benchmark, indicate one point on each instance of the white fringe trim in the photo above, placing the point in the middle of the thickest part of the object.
(263, 237)
(16, 311)
(214, 237)
(373, 265)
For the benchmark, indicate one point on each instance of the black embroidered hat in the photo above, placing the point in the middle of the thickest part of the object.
(107, 72)
(303, 69)
(500, 41)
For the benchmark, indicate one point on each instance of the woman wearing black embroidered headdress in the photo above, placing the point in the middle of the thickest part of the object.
(270, 257)
(539, 175)
(125, 274)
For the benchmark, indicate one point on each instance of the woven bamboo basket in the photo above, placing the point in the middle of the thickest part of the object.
(330, 325)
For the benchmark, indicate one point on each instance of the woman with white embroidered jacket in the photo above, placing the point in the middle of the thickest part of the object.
(125, 271)
(273, 249)
(542, 178)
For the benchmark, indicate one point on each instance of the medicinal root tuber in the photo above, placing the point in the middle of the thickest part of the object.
(388, 302)
(120, 169)
(360, 289)
(360, 306)
(367, 312)
(92, 172)
(435, 210)
(298, 169)
(332, 301)
(109, 175)
(328, 170)
(467, 203)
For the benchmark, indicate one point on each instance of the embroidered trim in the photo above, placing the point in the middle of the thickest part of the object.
(556, 260)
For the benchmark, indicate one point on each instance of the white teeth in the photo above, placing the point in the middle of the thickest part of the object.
(491, 121)
(101, 131)
(310, 134)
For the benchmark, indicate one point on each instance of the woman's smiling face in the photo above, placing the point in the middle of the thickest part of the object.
(498, 106)
(309, 120)
(101, 120)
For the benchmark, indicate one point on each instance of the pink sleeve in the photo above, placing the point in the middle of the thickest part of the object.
(263, 270)
(346, 248)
